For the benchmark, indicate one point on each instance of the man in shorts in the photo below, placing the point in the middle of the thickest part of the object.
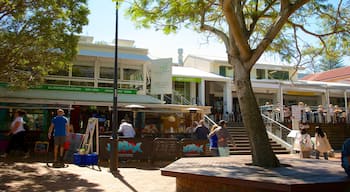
(59, 125)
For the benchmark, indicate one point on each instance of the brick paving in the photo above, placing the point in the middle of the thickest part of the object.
(34, 175)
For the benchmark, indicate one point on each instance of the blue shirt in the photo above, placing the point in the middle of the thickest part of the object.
(213, 140)
(59, 123)
(345, 152)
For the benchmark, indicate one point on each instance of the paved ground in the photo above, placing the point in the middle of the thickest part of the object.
(33, 175)
(36, 176)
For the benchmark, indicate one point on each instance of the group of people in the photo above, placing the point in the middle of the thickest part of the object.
(304, 145)
(218, 137)
(59, 128)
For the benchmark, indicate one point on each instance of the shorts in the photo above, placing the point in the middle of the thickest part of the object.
(59, 140)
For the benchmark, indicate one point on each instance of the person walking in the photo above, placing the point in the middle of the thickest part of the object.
(305, 144)
(321, 143)
(126, 129)
(60, 129)
(223, 137)
(17, 133)
(213, 141)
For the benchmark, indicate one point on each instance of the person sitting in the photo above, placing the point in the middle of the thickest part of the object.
(151, 128)
(126, 129)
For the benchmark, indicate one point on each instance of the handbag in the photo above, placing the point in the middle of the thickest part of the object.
(224, 151)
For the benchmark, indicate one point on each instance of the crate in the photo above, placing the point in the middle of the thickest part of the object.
(85, 159)
(80, 159)
(92, 159)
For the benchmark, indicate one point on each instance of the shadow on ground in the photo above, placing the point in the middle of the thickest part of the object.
(22, 177)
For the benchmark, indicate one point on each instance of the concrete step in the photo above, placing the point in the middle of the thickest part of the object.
(240, 136)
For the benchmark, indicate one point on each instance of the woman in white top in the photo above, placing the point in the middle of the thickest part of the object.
(322, 143)
(17, 133)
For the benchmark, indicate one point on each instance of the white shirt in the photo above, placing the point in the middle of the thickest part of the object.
(20, 128)
(127, 130)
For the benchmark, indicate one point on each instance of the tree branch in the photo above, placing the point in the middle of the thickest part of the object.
(239, 37)
(275, 28)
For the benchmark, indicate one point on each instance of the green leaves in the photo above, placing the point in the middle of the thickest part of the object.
(37, 37)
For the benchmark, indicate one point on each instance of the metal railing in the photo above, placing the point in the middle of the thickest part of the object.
(278, 132)
(209, 122)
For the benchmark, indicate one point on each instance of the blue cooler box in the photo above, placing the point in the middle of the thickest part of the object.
(92, 159)
(80, 159)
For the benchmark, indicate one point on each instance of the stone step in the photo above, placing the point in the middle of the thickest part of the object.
(240, 136)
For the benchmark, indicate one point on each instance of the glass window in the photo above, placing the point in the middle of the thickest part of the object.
(107, 72)
(63, 72)
(281, 75)
(133, 74)
(83, 71)
(260, 74)
(222, 71)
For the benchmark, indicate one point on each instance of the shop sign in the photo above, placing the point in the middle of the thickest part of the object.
(187, 79)
(79, 89)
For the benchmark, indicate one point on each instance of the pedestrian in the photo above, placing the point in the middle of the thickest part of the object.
(213, 141)
(305, 144)
(17, 135)
(201, 132)
(126, 129)
(223, 138)
(321, 143)
(345, 156)
(60, 129)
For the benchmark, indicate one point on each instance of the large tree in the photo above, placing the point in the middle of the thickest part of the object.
(38, 37)
(248, 28)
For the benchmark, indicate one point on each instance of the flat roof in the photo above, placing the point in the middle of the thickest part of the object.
(196, 73)
(111, 55)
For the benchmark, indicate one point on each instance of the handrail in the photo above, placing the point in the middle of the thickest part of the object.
(206, 117)
(276, 122)
(275, 130)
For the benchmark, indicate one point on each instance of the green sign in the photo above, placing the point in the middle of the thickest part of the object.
(79, 89)
(187, 79)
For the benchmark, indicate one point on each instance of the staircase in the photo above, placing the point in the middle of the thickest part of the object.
(240, 136)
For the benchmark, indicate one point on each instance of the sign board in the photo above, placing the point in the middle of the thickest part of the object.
(161, 75)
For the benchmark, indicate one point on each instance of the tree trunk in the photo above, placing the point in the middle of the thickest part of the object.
(262, 154)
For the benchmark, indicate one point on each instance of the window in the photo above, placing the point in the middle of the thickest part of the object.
(260, 74)
(281, 75)
(107, 72)
(83, 70)
(222, 71)
(62, 72)
(226, 71)
(133, 74)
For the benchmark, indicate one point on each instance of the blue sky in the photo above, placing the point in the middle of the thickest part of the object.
(102, 28)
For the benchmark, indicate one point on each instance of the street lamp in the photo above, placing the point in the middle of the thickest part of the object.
(113, 164)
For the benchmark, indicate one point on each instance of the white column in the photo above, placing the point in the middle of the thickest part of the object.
(346, 105)
(280, 92)
(328, 117)
(201, 92)
(193, 93)
(227, 97)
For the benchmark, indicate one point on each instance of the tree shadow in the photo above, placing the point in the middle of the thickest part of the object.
(22, 177)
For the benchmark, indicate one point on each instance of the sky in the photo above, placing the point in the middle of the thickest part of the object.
(102, 27)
